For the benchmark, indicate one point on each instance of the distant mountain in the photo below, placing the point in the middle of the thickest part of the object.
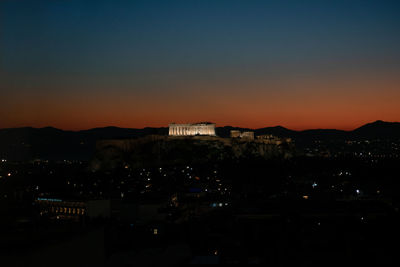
(379, 129)
(277, 131)
(51, 143)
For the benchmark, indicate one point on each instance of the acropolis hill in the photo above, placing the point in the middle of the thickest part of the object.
(158, 150)
(28, 143)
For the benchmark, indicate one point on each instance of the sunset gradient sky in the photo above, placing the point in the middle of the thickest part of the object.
(300, 64)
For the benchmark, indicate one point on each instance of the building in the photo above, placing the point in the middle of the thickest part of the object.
(192, 129)
(55, 208)
(244, 135)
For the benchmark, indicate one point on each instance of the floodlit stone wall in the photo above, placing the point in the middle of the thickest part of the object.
(235, 134)
(247, 135)
(244, 135)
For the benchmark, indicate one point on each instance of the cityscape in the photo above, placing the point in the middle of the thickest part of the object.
(199, 198)
(164, 133)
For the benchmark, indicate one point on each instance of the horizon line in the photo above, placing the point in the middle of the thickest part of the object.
(154, 127)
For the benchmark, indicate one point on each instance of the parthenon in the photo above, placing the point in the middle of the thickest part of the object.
(191, 129)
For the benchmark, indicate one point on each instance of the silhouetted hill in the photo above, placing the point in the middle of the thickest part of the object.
(120, 133)
(276, 131)
(378, 129)
(51, 143)
(323, 134)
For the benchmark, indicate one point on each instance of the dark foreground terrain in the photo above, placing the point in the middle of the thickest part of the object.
(164, 201)
(302, 210)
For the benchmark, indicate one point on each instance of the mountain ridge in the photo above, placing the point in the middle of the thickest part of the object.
(48, 142)
(375, 123)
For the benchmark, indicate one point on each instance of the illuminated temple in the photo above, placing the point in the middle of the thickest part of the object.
(192, 129)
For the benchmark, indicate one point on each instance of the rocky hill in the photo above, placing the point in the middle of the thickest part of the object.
(164, 150)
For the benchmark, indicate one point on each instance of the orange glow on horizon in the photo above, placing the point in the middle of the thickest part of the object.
(296, 104)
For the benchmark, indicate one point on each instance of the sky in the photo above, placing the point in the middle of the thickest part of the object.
(80, 64)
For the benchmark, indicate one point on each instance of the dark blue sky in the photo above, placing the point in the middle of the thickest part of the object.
(231, 54)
